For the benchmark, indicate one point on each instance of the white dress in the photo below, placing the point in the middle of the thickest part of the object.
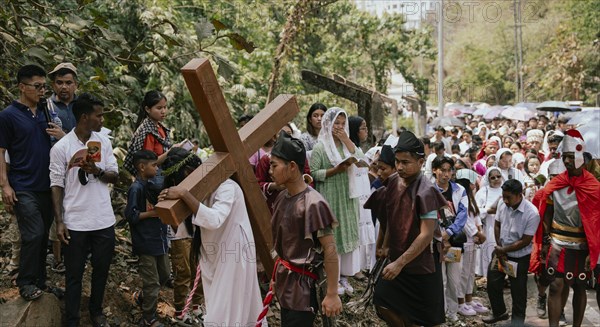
(228, 259)
(486, 197)
(366, 235)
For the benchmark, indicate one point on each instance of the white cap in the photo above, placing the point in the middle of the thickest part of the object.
(65, 65)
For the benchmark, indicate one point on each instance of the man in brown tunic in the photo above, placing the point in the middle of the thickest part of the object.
(302, 227)
(411, 288)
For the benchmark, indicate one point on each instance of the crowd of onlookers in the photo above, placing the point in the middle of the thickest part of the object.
(479, 198)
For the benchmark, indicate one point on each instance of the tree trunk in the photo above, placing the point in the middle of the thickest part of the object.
(288, 35)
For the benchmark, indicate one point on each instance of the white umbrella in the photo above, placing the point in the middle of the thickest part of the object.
(447, 121)
(518, 113)
(495, 112)
(584, 116)
(529, 105)
(482, 111)
(591, 135)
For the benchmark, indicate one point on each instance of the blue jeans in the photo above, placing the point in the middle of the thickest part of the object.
(101, 244)
(34, 216)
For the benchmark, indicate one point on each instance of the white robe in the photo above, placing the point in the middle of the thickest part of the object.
(366, 235)
(486, 197)
(228, 259)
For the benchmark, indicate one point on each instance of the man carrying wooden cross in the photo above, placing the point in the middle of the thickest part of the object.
(229, 269)
(227, 253)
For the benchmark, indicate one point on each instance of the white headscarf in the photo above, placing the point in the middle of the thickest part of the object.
(518, 158)
(326, 135)
(486, 180)
(487, 130)
(500, 152)
(545, 145)
(497, 139)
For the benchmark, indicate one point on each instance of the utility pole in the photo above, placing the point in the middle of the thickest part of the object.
(517, 70)
(519, 84)
(521, 81)
(441, 59)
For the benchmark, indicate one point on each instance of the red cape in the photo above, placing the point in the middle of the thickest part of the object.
(587, 191)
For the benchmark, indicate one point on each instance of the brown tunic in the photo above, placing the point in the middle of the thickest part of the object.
(295, 223)
(399, 208)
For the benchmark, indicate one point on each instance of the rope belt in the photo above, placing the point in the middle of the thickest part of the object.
(269, 296)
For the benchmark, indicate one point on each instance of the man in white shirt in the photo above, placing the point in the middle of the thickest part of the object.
(516, 222)
(438, 150)
(440, 136)
(83, 213)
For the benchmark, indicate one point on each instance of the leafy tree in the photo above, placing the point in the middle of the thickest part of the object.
(567, 67)
(560, 46)
(124, 48)
(121, 50)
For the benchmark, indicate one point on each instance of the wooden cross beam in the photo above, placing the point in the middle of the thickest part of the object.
(369, 102)
(232, 150)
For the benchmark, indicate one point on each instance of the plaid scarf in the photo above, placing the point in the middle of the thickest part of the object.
(137, 143)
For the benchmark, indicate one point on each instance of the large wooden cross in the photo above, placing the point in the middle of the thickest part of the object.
(232, 150)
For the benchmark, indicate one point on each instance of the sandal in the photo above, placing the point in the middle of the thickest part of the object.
(138, 298)
(57, 291)
(30, 292)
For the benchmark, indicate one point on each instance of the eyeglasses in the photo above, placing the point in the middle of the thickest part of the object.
(36, 86)
(363, 129)
(493, 178)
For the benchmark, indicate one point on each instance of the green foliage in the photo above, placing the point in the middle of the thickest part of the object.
(568, 67)
(560, 54)
(123, 49)
(341, 39)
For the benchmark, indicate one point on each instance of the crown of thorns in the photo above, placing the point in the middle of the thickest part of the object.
(179, 165)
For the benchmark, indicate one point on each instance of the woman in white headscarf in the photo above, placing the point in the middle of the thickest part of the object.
(504, 161)
(483, 131)
(487, 201)
(331, 176)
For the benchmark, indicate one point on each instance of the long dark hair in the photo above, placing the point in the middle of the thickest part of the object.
(473, 209)
(529, 158)
(315, 106)
(174, 157)
(354, 126)
(151, 98)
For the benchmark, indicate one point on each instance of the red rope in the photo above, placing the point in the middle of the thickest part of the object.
(297, 270)
(188, 301)
(269, 297)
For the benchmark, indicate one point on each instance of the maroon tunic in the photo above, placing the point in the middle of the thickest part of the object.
(295, 223)
(399, 208)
